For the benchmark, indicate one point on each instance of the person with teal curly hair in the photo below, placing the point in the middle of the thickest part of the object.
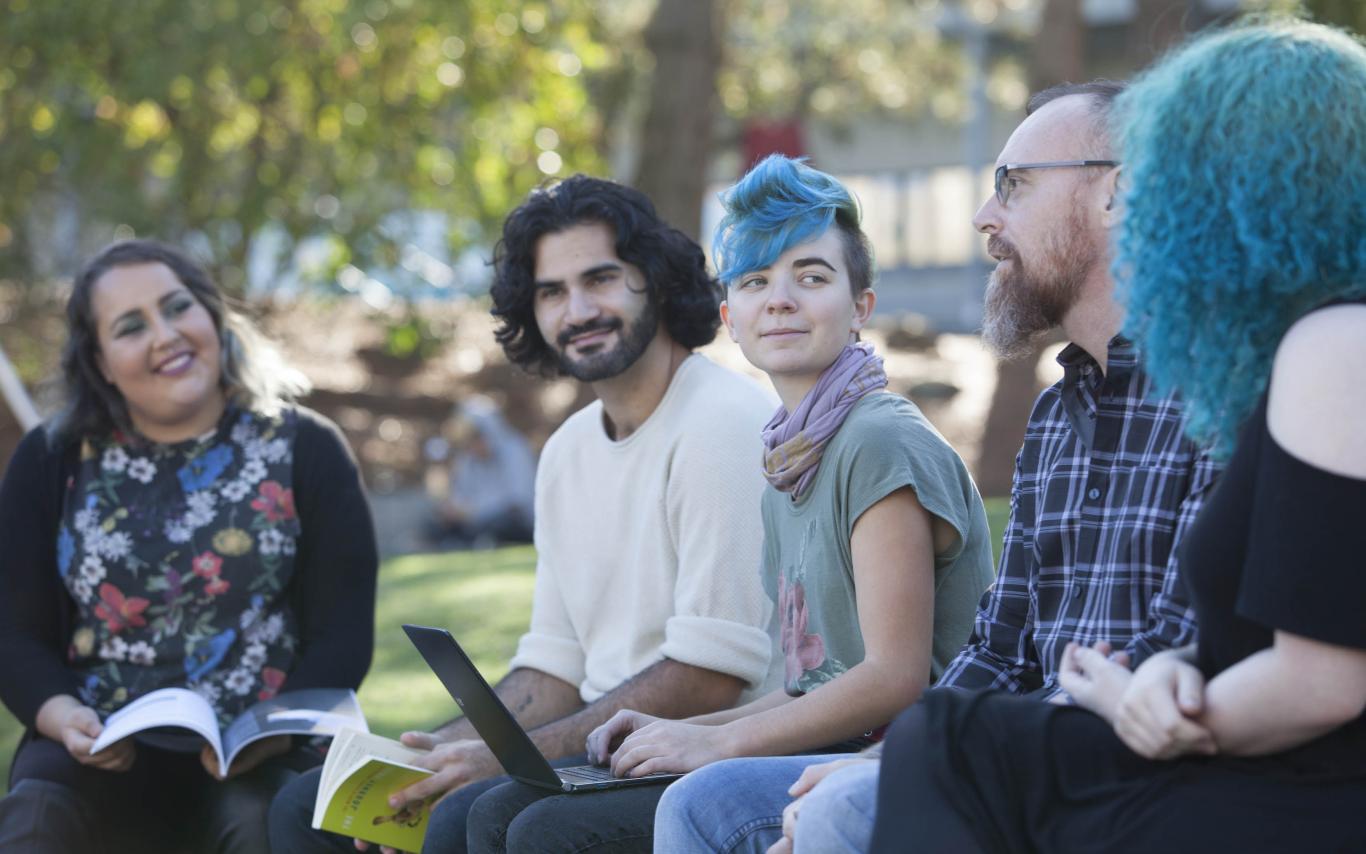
(1246, 207)
(1241, 261)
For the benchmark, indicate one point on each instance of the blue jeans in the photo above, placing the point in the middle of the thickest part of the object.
(737, 806)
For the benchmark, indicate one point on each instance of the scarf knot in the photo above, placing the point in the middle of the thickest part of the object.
(794, 442)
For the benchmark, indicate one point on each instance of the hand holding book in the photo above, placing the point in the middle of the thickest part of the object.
(316, 711)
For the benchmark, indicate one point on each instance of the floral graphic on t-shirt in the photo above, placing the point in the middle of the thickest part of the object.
(803, 651)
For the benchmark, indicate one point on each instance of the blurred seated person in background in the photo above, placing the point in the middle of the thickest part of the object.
(180, 523)
(486, 487)
(1241, 254)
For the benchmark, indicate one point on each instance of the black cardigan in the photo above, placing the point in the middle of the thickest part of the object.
(332, 590)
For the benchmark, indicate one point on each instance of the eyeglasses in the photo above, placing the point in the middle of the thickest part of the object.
(1003, 172)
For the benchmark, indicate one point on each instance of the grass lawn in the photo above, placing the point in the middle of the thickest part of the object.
(484, 598)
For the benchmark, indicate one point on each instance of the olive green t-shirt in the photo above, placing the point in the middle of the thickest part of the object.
(884, 444)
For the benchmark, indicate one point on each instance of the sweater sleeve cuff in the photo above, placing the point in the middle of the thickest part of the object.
(721, 645)
(558, 657)
(38, 692)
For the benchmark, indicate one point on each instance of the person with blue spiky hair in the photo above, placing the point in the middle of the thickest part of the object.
(1241, 259)
(876, 543)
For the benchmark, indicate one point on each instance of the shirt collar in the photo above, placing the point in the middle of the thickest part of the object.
(1119, 353)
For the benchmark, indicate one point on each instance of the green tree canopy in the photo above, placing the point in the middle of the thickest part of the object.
(217, 117)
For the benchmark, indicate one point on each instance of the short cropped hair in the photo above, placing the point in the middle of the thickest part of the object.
(781, 203)
(1243, 209)
(674, 266)
(252, 373)
(1102, 94)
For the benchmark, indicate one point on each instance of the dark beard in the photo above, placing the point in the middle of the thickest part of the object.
(1023, 303)
(609, 363)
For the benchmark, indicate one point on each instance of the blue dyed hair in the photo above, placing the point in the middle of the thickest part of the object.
(1244, 207)
(783, 203)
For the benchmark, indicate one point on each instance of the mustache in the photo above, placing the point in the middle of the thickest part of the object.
(604, 325)
(999, 247)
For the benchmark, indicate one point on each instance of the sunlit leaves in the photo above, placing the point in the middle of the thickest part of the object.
(217, 117)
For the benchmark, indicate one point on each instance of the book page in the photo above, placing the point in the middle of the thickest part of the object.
(168, 707)
(350, 749)
(313, 711)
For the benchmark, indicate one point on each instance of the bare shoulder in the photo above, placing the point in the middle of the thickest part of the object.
(1316, 408)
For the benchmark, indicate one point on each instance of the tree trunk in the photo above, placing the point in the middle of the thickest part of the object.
(1057, 58)
(676, 144)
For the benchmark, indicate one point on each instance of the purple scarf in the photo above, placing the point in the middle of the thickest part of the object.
(793, 443)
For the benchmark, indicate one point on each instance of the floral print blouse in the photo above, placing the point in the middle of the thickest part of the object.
(179, 559)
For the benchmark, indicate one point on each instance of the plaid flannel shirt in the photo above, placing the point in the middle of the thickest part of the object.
(1105, 486)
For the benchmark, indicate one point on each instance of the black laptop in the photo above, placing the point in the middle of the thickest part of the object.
(520, 757)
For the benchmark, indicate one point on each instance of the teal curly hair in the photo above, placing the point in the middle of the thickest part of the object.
(1244, 206)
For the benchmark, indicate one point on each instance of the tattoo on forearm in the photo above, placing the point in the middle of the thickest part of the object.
(523, 704)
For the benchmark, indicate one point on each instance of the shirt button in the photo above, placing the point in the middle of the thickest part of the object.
(1076, 592)
(1093, 493)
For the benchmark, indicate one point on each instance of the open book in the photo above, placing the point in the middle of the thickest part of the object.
(360, 773)
(313, 711)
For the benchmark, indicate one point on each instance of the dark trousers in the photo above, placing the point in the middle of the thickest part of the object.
(521, 819)
(165, 802)
(291, 817)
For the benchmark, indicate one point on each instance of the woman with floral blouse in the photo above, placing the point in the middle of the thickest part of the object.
(179, 523)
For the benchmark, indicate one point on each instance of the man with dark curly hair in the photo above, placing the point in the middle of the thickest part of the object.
(647, 524)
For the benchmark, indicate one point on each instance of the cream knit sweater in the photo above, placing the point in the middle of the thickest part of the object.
(649, 547)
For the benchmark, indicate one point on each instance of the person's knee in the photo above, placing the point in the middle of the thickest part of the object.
(486, 821)
(238, 817)
(678, 808)
(699, 813)
(289, 817)
(39, 816)
(598, 822)
(837, 815)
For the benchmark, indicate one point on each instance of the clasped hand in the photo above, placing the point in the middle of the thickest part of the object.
(1155, 710)
(637, 744)
(809, 779)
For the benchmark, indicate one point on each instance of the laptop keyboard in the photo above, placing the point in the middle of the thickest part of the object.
(599, 774)
(586, 774)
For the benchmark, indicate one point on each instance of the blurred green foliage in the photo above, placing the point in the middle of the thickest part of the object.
(216, 117)
(839, 59)
(1350, 14)
(207, 120)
